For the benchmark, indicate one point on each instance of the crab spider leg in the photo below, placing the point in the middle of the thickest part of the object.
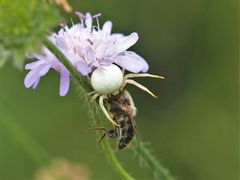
(94, 97)
(131, 75)
(91, 93)
(130, 81)
(104, 110)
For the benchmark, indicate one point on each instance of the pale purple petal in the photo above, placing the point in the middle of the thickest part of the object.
(106, 61)
(33, 65)
(34, 86)
(125, 42)
(90, 55)
(61, 43)
(34, 55)
(31, 78)
(27, 81)
(64, 82)
(88, 21)
(117, 36)
(110, 47)
(44, 70)
(132, 62)
(83, 68)
(75, 28)
(107, 28)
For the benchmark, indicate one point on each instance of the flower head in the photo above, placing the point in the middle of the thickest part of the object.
(88, 47)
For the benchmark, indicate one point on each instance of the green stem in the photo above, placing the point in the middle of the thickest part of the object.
(84, 87)
(29, 144)
(115, 162)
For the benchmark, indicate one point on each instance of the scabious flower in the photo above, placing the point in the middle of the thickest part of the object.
(88, 47)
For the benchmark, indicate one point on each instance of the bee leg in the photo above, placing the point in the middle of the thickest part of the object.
(130, 81)
(101, 139)
(131, 75)
(104, 110)
(109, 133)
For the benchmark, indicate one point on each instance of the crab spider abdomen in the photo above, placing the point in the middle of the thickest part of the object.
(107, 79)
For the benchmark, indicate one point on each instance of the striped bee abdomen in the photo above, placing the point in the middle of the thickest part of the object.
(127, 132)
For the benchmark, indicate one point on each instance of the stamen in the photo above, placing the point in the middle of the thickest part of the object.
(96, 17)
(98, 26)
(80, 15)
(62, 24)
(72, 22)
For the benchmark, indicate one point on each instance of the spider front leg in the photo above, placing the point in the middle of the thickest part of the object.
(131, 75)
(101, 98)
(126, 81)
(130, 81)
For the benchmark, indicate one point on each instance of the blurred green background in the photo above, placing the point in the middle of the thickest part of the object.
(193, 128)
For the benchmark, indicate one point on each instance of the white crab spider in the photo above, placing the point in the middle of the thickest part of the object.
(110, 80)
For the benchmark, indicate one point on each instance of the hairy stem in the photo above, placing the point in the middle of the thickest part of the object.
(84, 87)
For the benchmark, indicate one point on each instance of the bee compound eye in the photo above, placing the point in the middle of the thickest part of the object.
(107, 79)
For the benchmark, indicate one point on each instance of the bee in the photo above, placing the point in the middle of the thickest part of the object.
(122, 110)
